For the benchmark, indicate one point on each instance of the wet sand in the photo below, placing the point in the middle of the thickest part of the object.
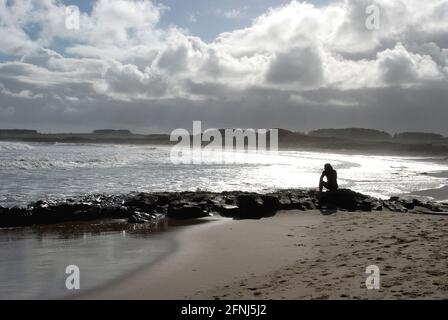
(297, 255)
(440, 194)
(437, 194)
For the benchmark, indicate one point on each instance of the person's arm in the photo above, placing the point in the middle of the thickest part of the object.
(322, 177)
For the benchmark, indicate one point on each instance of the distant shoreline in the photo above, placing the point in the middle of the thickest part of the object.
(312, 145)
(367, 141)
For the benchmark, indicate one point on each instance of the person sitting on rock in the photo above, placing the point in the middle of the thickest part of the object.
(332, 179)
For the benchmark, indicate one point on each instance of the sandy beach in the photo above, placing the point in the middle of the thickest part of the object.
(298, 255)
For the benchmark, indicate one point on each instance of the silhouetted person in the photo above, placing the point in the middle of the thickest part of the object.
(332, 179)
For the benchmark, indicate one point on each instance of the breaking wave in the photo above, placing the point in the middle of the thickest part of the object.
(32, 171)
(10, 146)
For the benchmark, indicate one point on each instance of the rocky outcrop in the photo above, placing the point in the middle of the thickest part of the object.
(143, 218)
(140, 208)
(186, 211)
(348, 200)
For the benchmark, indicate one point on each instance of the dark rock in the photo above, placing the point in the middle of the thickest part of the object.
(167, 198)
(293, 200)
(345, 199)
(249, 202)
(187, 211)
(270, 203)
(199, 197)
(377, 206)
(162, 210)
(408, 204)
(301, 194)
(228, 210)
(244, 205)
(203, 204)
(365, 205)
(142, 201)
(434, 206)
(296, 202)
(62, 212)
(394, 206)
(417, 203)
(230, 200)
(148, 207)
(285, 202)
(252, 206)
(15, 216)
(44, 204)
(140, 218)
(115, 212)
(307, 204)
(216, 204)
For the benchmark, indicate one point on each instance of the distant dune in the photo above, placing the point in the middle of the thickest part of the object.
(352, 133)
(419, 136)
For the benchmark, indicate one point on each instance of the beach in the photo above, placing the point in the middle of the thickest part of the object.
(298, 255)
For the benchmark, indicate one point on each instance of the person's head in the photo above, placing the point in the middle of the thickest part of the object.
(328, 167)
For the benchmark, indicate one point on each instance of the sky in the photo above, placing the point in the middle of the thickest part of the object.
(154, 66)
(205, 18)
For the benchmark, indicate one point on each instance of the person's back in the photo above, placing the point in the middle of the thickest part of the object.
(332, 179)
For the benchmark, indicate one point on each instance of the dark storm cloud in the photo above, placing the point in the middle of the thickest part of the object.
(299, 65)
(392, 109)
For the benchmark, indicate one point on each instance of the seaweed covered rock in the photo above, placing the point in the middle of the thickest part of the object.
(252, 206)
(348, 200)
(148, 207)
(186, 211)
(13, 217)
(143, 217)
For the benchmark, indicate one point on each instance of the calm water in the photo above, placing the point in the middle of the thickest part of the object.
(33, 260)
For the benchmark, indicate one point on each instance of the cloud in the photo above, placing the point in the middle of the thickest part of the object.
(298, 66)
(398, 66)
(294, 61)
(192, 18)
(174, 60)
(233, 14)
(120, 22)
(127, 80)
